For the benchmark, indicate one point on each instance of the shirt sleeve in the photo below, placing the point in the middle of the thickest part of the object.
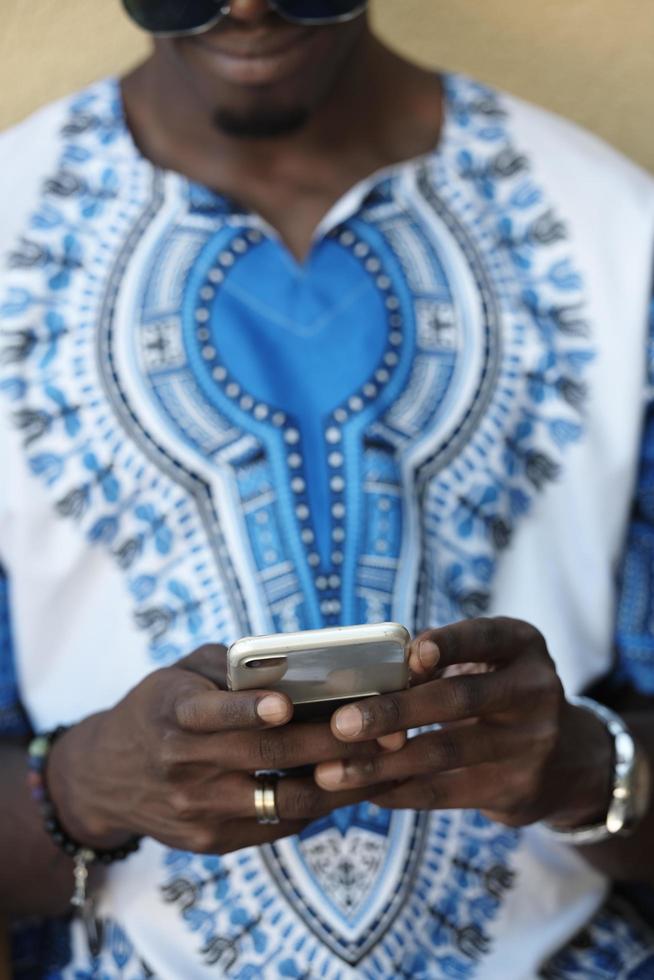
(13, 720)
(634, 644)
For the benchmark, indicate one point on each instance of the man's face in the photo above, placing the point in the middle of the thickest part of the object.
(259, 75)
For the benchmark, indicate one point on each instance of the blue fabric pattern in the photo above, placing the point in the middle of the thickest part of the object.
(36, 946)
(635, 619)
(40, 949)
(405, 425)
(324, 496)
(615, 945)
(13, 721)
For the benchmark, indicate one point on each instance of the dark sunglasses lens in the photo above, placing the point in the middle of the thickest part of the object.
(172, 16)
(316, 11)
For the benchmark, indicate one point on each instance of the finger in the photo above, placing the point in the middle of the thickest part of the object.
(436, 752)
(487, 640)
(296, 798)
(211, 711)
(302, 799)
(437, 702)
(233, 835)
(394, 742)
(209, 661)
(231, 796)
(465, 789)
(286, 747)
(250, 833)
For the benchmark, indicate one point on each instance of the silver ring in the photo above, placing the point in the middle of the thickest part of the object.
(265, 800)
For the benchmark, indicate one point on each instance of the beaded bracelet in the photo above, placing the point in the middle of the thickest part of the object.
(37, 754)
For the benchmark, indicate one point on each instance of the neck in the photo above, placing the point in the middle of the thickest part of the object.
(381, 110)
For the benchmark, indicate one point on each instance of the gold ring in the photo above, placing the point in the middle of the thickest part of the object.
(265, 800)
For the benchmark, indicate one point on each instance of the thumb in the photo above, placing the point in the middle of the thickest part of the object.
(209, 661)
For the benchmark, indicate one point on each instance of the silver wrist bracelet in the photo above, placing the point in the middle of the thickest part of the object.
(630, 788)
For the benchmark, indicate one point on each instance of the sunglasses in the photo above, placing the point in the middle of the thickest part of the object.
(170, 18)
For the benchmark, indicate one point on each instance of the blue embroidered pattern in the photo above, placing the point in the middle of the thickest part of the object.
(441, 425)
(118, 958)
(478, 491)
(12, 717)
(432, 938)
(615, 945)
(635, 624)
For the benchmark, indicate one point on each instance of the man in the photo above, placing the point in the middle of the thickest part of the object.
(295, 334)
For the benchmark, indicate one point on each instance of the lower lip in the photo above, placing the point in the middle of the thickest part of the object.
(260, 69)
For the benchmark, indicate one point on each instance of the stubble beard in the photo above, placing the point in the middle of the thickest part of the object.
(261, 124)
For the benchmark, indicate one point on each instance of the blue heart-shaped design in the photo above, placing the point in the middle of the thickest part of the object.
(290, 332)
(302, 339)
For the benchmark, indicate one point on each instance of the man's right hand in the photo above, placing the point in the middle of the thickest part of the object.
(174, 760)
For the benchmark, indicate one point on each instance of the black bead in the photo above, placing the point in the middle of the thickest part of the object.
(54, 828)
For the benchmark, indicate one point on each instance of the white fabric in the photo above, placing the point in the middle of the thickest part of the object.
(78, 649)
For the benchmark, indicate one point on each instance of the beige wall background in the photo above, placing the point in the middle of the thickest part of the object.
(591, 60)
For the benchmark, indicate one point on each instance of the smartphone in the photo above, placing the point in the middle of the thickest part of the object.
(321, 670)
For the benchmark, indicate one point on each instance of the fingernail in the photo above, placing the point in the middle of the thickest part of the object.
(272, 709)
(349, 721)
(428, 654)
(393, 743)
(330, 774)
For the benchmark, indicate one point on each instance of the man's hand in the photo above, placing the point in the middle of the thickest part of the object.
(509, 744)
(174, 761)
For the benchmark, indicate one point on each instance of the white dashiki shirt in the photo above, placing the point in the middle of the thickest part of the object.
(438, 414)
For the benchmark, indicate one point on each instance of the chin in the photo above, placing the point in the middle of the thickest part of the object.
(266, 82)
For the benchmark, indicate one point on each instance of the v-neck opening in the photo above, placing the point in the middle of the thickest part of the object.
(345, 207)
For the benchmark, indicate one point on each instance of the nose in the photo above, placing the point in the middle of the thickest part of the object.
(248, 11)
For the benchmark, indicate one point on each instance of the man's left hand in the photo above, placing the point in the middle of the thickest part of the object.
(508, 743)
